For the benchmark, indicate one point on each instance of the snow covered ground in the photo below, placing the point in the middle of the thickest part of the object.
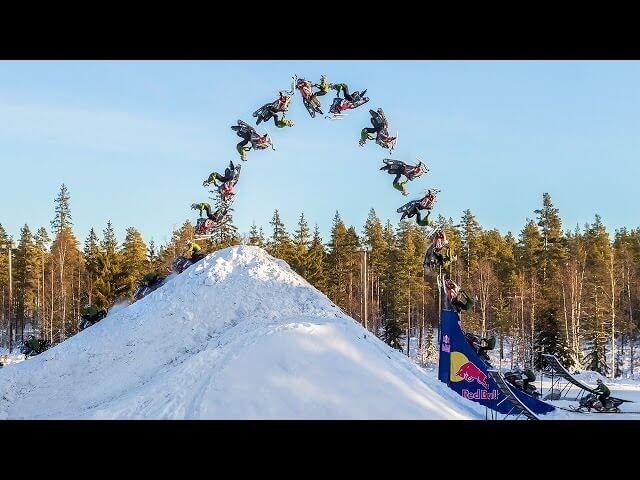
(626, 387)
(7, 358)
(239, 335)
(620, 388)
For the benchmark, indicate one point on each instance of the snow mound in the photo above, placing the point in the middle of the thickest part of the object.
(238, 335)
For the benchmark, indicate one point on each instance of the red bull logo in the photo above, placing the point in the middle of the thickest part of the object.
(464, 370)
(480, 394)
(470, 372)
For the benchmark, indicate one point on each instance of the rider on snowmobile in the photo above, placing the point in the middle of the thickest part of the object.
(458, 298)
(379, 122)
(344, 88)
(271, 110)
(247, 132)
(227, 182)
(92, 314)
(413, 208)
(438, 252)
(33, 343)
(323, 86)
(604, 392)
(399, 168)
(150, 279)
(230, 173)
(193, 251)
(216, 216)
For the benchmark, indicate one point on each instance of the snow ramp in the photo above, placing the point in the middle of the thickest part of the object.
(238, 335)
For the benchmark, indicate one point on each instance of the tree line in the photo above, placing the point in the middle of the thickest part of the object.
(573, 293)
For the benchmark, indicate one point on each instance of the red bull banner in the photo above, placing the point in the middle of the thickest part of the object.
(462, 370)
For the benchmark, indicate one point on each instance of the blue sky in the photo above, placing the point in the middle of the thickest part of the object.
(133, 141)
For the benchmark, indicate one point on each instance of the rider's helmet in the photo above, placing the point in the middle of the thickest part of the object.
(195, 205)
(290, 123)
(598, 381)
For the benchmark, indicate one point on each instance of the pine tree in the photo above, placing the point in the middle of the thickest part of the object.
(469, 248)
(549, 339)
(4, 263)
(42, 242)
(63, 211)
(407, 275)
(134, 262)
(501, 314)
(25, 279)
(386, 290)
(373, 235)
(256, 237)
(627, 250)
(552, 254)
(227, 233)
(315, 262)
(301, 242)
(528, 251)
(595, 358)
(573, 289)
(599, 291)
(91, 254)
(339, 263)
(428, 352)
(280, 244)
(66, 267)
(109, 268)
(391, 333)
(176, 247)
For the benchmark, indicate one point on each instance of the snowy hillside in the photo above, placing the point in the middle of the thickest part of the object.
(239, 336)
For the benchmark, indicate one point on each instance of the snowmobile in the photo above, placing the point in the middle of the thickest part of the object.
(258, 142)
(225, 190)
(310, 101)
(439, 252)
(181, 263)
(205, 226)
(457, 299)
(281, 104)
(398, 168)
(395, 167)
(381, 127)
(386, 141)
(517, 377)
(28, 351)
(409, 209)
(86, 322)
(379, 121)
(591, 402)
(339, 105)
(437, 258)
(144, 289)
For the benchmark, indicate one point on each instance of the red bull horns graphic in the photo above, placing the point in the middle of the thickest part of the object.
(462, 369)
